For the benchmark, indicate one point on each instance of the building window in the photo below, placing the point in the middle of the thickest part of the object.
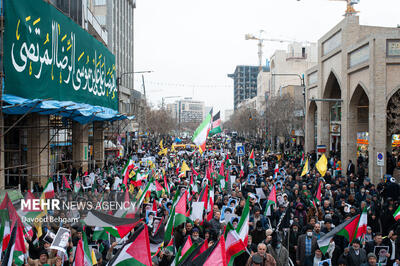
(332, 43)
(100, 2)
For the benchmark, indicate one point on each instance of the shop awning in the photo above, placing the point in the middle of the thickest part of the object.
(80, 112)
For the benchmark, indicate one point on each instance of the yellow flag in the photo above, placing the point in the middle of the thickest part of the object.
(161, 145)
(94, 261)
(163, 151)
(279, 156)
(184, 167)
(322, 165)
(305, 168)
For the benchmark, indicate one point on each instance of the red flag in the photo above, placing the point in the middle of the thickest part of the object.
(66, 183)
(154, 205)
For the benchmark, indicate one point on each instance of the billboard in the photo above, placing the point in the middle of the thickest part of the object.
(49, 56)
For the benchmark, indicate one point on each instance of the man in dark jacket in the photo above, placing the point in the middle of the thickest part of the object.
(355, 255)
(306, 246)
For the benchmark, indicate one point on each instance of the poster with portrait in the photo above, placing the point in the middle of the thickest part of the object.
(226, 210)
(60, 241)
(150, 217)
(381, 252)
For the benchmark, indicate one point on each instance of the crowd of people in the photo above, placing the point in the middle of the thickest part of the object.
(285, 233)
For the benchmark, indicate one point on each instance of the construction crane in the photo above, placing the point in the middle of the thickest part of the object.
(350, 11)
(260, 40)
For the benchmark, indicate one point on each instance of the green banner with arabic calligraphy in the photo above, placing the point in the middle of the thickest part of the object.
(49, 56)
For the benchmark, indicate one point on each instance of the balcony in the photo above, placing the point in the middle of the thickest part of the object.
(95, 28)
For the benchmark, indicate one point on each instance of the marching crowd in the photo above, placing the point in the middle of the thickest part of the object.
(285, 231)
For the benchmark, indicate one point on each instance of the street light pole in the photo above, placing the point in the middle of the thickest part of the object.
(303, 85)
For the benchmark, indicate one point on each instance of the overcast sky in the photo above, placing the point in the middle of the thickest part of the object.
(192, 45)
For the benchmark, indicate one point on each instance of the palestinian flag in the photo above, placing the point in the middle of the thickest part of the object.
(180, 210)
(348, 229)
(203, 197)
(117, 227)
(251, 159)
(271, 199)
(99, 233)
(201, 133)
(159, 189)
(243, 226)
(305, 168)
(16, 250)
(227, 161)
(362, 224)
(66, 184)
(82, 254)
(166, 185)
(127, 169)
(215, 255)
(216, 125)
(318, 195)
(396, 214)
(136, 252)
(48, 191)
(29, 212)
(234, 245)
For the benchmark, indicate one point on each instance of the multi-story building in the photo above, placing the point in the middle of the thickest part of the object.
(117, 18)
(352, 95)
(68, 130)
(187, 110)
(244, 83)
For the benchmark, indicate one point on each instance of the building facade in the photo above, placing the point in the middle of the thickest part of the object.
(351, 93)
(117, 18)
(244, 83)
(187, 110)
(52, 118)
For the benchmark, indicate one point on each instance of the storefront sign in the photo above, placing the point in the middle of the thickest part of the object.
(393, 47)
(48, 56)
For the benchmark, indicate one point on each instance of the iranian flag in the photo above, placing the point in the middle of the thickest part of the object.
(251, 159)
(271, 199)
(48, 191)
(243, 226)
(16, 250)
(136, 251)
(348, 229)
(362, 224)
(127, 169)
(396, 214)
(82, 254)
(201, 133)
(233, 244)
(216, 125)
(318, 195)
(276, 170)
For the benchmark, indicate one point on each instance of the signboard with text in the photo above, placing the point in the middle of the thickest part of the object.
(48, 56)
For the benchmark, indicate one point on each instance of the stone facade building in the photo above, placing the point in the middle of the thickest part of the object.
(349, 90)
